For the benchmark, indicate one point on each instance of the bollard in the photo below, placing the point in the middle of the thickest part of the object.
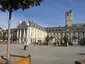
(76, 62)
(29, 58)
(79, 61)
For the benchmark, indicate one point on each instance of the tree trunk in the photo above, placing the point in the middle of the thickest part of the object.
(10, 13)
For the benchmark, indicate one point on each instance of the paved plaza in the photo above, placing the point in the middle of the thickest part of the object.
(48, 54)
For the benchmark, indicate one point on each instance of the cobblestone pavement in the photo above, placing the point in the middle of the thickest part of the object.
(48, 54)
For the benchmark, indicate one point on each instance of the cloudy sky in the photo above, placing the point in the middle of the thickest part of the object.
(50, 13)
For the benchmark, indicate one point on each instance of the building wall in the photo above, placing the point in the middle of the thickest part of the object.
(71, 32)
(36, 34)
(33, 32)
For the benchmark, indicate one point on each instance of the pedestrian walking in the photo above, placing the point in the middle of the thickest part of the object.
(25, 44)
(67, 44)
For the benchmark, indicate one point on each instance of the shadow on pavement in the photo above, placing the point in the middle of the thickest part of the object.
(81, 53)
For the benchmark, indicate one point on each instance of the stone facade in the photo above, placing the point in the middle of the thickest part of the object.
(33, 32)
(30, 31)
(76, 30)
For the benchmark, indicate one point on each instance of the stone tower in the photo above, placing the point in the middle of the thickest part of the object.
(68, 18)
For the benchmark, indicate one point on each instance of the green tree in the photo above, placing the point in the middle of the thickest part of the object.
(0, 35)
(74, 38)
(14, 36)
(4, 36)
(14, 5)
(65, 40)
(47, 39)
(51, 38)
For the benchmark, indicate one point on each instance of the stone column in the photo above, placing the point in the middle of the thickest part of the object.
(17, 35)
(30, 35)
(20, 37)
(35, 34)
(24, 33)
(27, 33)
(27, 36)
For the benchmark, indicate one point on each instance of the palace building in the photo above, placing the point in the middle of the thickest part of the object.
(74, 32)
(33, 32)
(30, 31)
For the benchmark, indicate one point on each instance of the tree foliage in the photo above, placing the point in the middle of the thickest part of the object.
(12, 5)
(51, 38)
(14, 36)
(4, 36)
(74, 37)
(65, 39)
(47, 39)
(0, 35)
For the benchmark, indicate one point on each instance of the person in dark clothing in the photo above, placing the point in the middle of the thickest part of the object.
(25, 44)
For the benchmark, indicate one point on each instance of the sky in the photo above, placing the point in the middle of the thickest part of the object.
(49, 13)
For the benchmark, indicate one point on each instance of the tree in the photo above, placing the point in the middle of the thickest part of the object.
(74, 37)
(65, 40)
(14, 36)
(51, 38)
(14, 5)
(0, 35)
(82, 41)
(4, 36)
(47, 39)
